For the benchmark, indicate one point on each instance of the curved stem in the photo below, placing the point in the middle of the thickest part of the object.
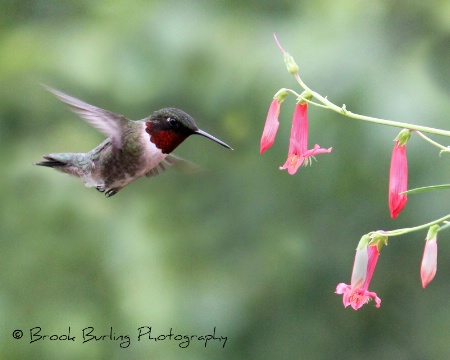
(344, 111)
(412, 229)
(426, 138)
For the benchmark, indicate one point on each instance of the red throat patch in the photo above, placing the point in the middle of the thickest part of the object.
(165, 140)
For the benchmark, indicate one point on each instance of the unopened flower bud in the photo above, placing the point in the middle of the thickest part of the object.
(429, 261)
(290, 64)
(403, 137)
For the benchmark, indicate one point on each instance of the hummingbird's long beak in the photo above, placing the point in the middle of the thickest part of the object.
(205, 134)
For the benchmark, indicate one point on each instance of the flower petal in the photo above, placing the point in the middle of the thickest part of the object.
(271, 126)
(358, 296)
(398, 180)
(316, 151)
(292, 164)
(345, 290)
(373, 255)
(359, 271)
(429, 262)
(298, 153)
(341, 288)
(299, 130)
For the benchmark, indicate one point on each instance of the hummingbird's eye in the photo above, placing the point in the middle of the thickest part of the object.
(173, 122)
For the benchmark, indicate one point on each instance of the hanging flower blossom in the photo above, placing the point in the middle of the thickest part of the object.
(359, 272)
(356, 294)
(429, 260)
(398, 176)
(298, 153)
(271, 125)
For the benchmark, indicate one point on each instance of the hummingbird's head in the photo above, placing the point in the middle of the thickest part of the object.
(169, 127)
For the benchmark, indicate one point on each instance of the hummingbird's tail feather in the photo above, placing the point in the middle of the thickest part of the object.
(77, 164)
(50, 163)
(56, 160)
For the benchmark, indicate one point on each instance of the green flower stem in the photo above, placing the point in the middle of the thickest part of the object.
(447, 225)
(342, 110)
(412, 229)
(432, 142)
(297, 95)
(325, 103)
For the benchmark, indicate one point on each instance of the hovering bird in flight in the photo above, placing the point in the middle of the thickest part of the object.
(132, 149)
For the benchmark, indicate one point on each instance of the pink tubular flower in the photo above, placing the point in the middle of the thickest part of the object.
(429, 260)
(357, 294)
(271, 126)
(298, 144)
(398, 179)
(359, 272)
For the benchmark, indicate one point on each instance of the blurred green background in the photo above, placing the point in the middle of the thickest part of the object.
(241, 246)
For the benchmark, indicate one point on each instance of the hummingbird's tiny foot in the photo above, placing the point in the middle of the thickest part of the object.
(100, 188)
(111, 192)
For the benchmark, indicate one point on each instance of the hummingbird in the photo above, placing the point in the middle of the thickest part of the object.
(134, 148)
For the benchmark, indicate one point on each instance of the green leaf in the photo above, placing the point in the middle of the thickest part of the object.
(427, 188)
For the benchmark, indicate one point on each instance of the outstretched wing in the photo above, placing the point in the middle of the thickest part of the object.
(105, 121)
(178, 163)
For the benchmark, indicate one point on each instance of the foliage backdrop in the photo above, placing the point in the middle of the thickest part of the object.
(241, 246)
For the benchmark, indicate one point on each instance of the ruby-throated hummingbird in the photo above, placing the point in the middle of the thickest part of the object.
(132, 149)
